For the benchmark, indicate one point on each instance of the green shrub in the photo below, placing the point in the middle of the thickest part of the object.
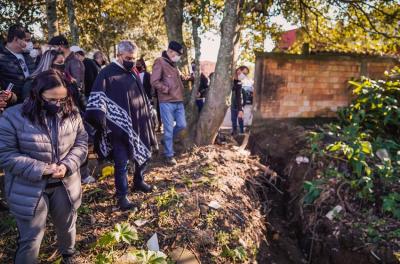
(364, 144)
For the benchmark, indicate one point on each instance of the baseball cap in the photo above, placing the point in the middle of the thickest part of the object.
(175, 46)
(75, 48)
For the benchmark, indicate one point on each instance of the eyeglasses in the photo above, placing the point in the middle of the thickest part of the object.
(55, 52)
(55, 101)
(23, 65)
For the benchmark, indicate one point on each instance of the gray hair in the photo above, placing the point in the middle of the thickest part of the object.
(126, 46)
(98, 54)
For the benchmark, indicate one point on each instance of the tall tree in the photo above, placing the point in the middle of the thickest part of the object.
(217, 100)
(51, 14)
(25, 12)
(102, 24)
(72, 21)
(191, 108)
(173, 15)
(355, 26)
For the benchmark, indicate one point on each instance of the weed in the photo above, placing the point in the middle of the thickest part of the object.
(211, 217)
(187, 180)
(236, 233)
(168, 198)
(236, 254)
(208, 181)
(223, 238)
(148, 257)
(163, 218)
(122, 233)
(7, 224)
(204, 170)
(84, 210)
(313, 192)
(391, 204)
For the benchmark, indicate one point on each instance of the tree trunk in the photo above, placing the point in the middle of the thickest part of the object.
(236, 43)
(51, 12)
(191, 109)
(217, 100)
(173, 16)
(72, 22)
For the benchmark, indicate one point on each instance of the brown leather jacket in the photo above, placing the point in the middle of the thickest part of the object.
(166, 79)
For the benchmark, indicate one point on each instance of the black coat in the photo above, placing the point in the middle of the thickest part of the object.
(203, 88)
(91, 72)
(237, 96)
(147, 86)
(11, 72)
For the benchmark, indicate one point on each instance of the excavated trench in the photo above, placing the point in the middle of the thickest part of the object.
(290, 238)
(276, 149)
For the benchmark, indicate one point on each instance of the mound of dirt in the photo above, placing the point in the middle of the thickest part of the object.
(209, 207)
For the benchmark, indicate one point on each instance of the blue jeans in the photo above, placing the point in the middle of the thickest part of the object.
(170, 113)
(200, 103)
(235, 119)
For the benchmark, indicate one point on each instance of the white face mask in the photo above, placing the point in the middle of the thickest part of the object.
(29, 46)
(242, 76)
(176, 58)
(34, 53)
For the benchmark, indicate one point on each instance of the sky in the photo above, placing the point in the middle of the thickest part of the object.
(210, 41)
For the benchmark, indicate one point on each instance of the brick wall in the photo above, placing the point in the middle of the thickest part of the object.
(308, 86)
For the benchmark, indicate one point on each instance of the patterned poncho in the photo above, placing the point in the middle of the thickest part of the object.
(118, 107)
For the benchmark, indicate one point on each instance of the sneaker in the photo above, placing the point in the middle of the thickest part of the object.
(89, 180)
(171, 161)
(142, 187)
(124, 203)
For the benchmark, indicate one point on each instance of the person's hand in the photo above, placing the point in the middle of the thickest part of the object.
(3, 104)
(240, 114)
(60, 171)
(6, 95)
(50, 169)
(186, 77)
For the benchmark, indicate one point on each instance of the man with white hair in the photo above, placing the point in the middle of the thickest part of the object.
(119, 110)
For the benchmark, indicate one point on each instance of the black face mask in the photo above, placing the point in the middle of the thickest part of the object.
(52, 109)
(103, 62)
(128, 65)
(59, 67)
(140, 68)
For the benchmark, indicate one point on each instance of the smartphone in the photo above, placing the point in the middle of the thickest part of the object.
(9, 87)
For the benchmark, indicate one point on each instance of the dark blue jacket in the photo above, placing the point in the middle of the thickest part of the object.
(11, 72)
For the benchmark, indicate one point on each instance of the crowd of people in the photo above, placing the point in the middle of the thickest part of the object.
(54, 102)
